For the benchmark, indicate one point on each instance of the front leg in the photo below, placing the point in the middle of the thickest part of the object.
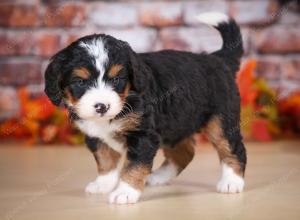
(142, 148)
(107, 164)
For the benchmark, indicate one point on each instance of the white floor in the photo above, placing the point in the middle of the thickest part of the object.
(48, 183)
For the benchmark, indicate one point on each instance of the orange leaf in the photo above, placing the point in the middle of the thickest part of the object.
(23, 98)
(245, 81)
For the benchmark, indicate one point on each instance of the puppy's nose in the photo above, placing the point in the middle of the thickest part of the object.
(101, 108)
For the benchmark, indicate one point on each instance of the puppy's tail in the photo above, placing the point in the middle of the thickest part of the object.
(232, 49)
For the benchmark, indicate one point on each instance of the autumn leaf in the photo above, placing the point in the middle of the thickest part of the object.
(245, 81)
(289, 111)
(260, 130)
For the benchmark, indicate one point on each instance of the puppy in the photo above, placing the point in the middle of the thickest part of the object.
(134, 103)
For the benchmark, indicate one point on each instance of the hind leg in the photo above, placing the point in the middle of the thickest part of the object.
(177, 158)
(228, 143)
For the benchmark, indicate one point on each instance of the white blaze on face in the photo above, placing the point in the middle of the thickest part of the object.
(101, 92)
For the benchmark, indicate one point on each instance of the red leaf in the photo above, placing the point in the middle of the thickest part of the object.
(260, 130)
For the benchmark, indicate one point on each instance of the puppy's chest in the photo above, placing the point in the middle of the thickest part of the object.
(112, 133)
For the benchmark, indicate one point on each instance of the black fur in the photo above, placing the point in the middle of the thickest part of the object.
(92, 143)
(232, 48)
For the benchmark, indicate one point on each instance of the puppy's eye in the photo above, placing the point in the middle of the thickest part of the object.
(115, 81)
(77, 82)
(78, 87)
(118, 83)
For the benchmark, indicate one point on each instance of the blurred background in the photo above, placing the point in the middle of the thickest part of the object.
(31, 31)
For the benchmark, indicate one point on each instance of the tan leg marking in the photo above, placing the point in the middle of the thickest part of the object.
(181, 154)
(106, 158)
(131, 184)
(177, 158)
(215, 134)
(135, 175)
(107, 163)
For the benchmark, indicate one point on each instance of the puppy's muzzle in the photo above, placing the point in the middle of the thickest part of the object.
(101, 108)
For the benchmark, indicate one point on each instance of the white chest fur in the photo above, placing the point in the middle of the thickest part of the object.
(103, 130)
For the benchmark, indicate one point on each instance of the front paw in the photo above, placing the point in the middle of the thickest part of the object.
(103, 183)
(124, 194)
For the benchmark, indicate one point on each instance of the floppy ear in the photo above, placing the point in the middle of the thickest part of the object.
(53, 77)
(140, 72)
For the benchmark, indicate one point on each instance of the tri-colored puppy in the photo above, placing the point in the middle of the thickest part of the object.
(134, 103)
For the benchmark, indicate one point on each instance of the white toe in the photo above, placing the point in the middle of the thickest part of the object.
(103, 183)
(124, 194)
(93, 187)
(230, 182)
(162, 175)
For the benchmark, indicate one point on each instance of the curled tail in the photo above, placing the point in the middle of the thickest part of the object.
(232, 49)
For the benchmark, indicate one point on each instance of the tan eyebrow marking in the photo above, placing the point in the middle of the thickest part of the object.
(114, 70)
(81, 72)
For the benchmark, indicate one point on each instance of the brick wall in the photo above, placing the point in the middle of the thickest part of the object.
(33, 30)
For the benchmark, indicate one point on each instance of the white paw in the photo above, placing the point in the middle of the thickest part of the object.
(230, 181)
(124, 194)
(162, 175)
(103, 183)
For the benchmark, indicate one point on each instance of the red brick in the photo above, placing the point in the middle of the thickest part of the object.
(259, 12)
(286, 87)
(17, 72)
(246, 36)
(72, 36)
(15, 43)
(161, 14)
(46, 44)
(29, 43)
(289, 17)
(144, 42)
(9, 105)
(113, 14)
(281, 39)
(140, 39)
(65, 15)
(269, 68)
(191, 9)
(291, 69)
(18, 15)
(192, 39)
(196, 39)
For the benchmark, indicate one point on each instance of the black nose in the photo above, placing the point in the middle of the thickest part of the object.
(101, 108)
